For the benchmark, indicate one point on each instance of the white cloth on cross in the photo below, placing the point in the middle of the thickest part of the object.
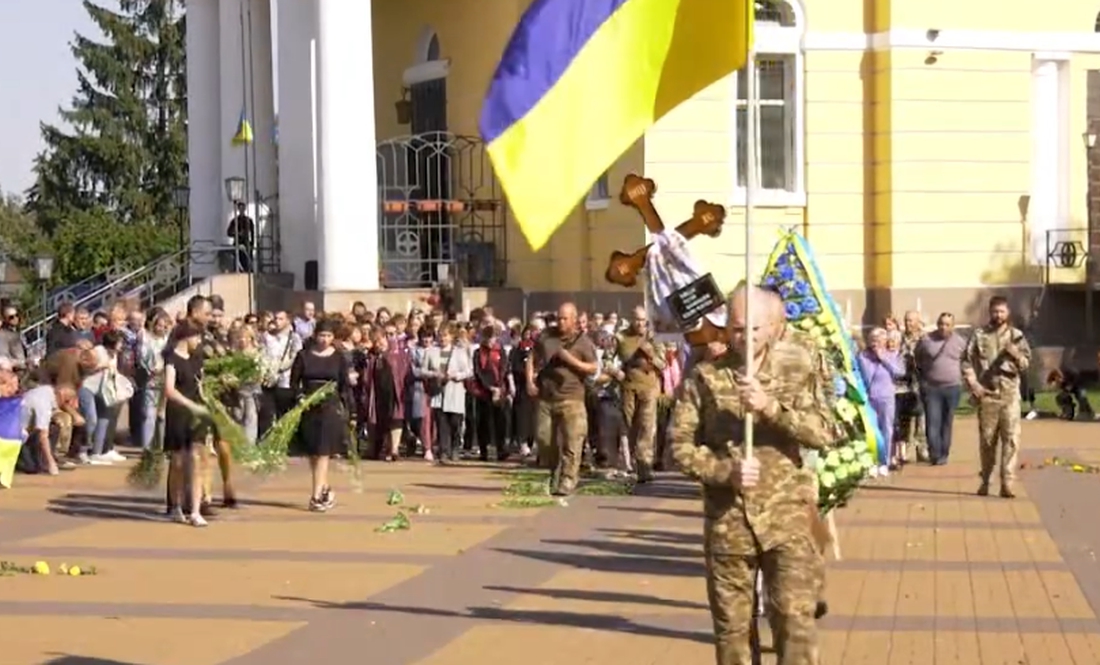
(670, 266)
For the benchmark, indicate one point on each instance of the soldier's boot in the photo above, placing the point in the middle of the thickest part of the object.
(555, 480)
(564, 488)
(1007, 493)
(645, 471)
(821, 610)
(983, 489)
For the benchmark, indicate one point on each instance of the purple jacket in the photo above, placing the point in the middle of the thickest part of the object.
(879, 375)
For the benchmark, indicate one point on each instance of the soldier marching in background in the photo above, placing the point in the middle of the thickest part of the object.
(995, 359)
(758, 509)
(642, 362)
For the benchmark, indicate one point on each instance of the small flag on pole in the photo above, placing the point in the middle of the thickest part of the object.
(244, 131)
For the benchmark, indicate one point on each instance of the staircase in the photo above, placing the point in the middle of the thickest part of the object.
(150, 284)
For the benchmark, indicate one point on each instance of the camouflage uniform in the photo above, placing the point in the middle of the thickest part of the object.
(985, 363)
(910, 415)
(642, 361)
(562, 411)
(767, 526)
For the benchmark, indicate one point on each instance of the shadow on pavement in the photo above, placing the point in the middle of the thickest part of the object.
(639, 565)
(914, 490)
(69, 659)
(158, 500)
(605, 622)
(667, 512)
(657, 536)
(602, 597)
(669, 490)
(629, 549)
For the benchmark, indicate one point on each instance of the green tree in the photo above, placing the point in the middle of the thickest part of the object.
(104, 182)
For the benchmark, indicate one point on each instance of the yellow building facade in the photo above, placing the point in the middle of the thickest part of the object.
(930, 151)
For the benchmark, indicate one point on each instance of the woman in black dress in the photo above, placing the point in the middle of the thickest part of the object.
(323, 427)
(186, 422)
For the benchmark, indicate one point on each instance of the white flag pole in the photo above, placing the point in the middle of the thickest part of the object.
(751, 173)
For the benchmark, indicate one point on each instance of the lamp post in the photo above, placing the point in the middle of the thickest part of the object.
(3, 268)
(1089, 139)
(236, 191)
(181, 197)
(43, 265)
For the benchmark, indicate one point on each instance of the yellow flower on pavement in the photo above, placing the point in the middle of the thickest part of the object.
(1077, 468)
(41, 568)
(75, 571)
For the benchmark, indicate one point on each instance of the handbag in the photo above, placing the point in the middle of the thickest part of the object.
(115, 388)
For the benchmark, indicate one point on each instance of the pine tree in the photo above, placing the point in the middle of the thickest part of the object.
(104, 182)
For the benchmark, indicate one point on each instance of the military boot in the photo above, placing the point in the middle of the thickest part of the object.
(1007, 493)
(983, 489)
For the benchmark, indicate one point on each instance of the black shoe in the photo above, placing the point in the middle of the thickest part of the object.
(983, 489)
(1007, 493)
(821, 610)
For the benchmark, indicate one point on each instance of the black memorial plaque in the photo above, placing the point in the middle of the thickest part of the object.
(691, 303)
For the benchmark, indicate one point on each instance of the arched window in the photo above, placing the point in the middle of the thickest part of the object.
(432, 52)
(779, 108)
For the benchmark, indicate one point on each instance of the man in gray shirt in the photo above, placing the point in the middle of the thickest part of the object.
(11, 339)
(938, 359)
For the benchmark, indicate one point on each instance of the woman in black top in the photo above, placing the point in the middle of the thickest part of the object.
(186, 421)
(323, 427)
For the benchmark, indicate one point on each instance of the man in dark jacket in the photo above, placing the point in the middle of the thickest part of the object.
(62, 334)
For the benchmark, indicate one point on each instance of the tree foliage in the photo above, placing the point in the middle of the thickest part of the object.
(103, 190)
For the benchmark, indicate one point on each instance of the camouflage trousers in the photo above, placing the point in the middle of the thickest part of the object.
(999, 427)
(640, 414)
(793, 574)
(562, 428)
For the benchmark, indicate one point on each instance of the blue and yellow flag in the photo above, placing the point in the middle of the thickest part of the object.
(244, 131)
(11, 437)
(581, 80)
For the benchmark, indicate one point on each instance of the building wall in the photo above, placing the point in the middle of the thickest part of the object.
(918, 150)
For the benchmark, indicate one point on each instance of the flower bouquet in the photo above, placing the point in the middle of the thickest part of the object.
(793, 272)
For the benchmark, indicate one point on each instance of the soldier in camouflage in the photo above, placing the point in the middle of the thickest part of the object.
(996, 357)
(757, 508)
(642, 362)
(557, 373)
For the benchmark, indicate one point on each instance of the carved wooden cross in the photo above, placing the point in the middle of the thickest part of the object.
(623, 269)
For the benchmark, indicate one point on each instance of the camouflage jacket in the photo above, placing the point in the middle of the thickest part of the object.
(825, 374)
(986, 361)
(707, 436)
(641, 376)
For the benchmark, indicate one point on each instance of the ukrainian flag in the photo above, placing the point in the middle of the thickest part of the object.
(581, 80)
(11, 437)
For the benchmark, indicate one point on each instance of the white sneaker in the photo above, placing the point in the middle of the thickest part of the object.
(114, 456)
(83, 458)
(883, 471)
(1032, 415)
(525, 450)
(100, 460)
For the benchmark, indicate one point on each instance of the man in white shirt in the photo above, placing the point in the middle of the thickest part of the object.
(39, 407)
(280, 346)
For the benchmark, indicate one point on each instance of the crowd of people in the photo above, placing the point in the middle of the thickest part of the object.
(415, 384)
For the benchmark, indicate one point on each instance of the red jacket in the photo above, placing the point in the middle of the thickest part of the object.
(490, 371)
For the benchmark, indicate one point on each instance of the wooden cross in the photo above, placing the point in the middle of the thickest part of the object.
(623, 269)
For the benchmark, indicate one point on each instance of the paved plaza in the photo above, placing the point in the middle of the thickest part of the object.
(930, 574)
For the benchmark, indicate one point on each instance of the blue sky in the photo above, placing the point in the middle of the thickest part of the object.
(37, 74)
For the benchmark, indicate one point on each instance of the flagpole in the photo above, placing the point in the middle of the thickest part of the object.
(751, 142)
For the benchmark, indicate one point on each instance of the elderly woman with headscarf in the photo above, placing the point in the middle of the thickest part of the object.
(880, 367)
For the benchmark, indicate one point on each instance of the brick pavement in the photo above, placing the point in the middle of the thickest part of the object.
(930, 573)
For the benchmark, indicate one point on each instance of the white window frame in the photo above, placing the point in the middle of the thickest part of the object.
(597, 199)
(775, 41)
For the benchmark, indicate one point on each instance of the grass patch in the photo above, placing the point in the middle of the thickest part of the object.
(521, 502)
(606, 488)
(1044, 402)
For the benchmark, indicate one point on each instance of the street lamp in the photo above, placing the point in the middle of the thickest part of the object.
(1089, 139)
(43, 265)
(3, 268)
(181, 197)
(235, 189)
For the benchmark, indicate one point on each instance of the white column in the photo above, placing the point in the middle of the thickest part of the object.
(234, 98)
(298, 227)
(349, 171)
(261, 101)
(203, 120)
